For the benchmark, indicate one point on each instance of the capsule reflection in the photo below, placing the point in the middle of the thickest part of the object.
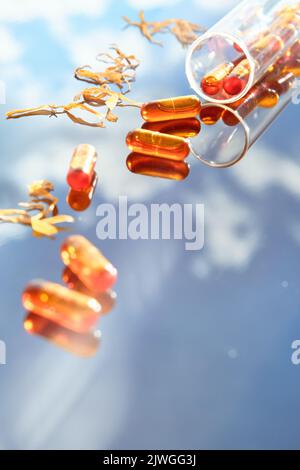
(160, 167)
(84, 345)
(181, 127)
(106, 299)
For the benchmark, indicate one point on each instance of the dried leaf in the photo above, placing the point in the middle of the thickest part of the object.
(60, 219)
(184, 31)
(42, 227)
(120, 73)
(40, 212)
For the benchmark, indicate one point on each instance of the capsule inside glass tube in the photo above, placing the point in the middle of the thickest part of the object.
(88, 263)
(157, 144)
(224, 143)
(211, 115)
(81, 200)
(159, 167)
(213, 82)
(259, 95)
(106, 299)
(73, 310)
(185, 128)
(79, 344)
(257, 43)
(236, 81)
(171, 108)
(81, 170)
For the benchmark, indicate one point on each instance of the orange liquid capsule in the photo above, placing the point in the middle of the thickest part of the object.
(73, 310)
(157, 144)
(259, 95)
(88, 263)
(171, 108)
(235, 82)
(106, 299)
(84, 345)
(185, 128)
(159, 167)
(81, 200)
(283, 83)
(293, 66)
(210, 115)
(212, 83)
(81, 171)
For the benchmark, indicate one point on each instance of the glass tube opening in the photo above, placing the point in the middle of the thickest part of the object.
(224, 139)
(210, 67)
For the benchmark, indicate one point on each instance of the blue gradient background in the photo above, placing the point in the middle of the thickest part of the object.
(197, 353)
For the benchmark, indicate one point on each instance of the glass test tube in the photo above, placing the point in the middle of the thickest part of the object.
(224, 63)
(228, 131)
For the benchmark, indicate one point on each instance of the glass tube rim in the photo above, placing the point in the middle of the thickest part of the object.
(195, 86)
(232, 162)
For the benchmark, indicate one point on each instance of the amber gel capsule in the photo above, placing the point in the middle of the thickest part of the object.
(160, 167)
(157, 144)
(189, 127)
(106, 299)
(88, 263)
(79, 344)
(81, 171)
(212, 83)
(81, 200)
(211, 115)
(68, 308)
(236, 81)
(171, 108)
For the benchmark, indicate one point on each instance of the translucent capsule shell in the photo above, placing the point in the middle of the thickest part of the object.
(70, 309)
(212, 83)
(186, 128)
(209, 116)
(171, 108)
(159, 167)
(79, 344)
(235, 82)
(157, 144)
(81, 200)
(106, 299)
(88, 263)
(81, 170)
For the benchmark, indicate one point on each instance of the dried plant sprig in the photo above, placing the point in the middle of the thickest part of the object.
(121, 60)
(120, 72)
(40, 213)
(184, 31)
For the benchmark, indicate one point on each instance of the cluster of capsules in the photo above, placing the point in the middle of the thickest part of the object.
(230, 79)
(67, 315)
(161, 146)
(82, 177)
(265, 94)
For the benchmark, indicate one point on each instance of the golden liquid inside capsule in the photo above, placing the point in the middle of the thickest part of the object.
(210, 115)
(157, 144)
(88, 263)
(84, 345)
(81, 171)
(73, 310)
(159, 167)
(260, 95)
(106, 299)
(185, 128)
(212, 83)
(81, 200)
(171, 108)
